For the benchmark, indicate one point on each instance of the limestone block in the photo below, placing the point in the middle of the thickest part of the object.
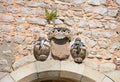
(78, 1)
(106, 79)
(112, 11)
(6, 18)
(7, 38)
(6, 28)
(114, 75)
(2, 9)
(92, 74)
(107, 34)
(24, 71)
(9, 1)
(92, 43)
(82, 23)
(71, 70)
(118, 1)
(106, 67)
(63, 7)
(20, 28)
(113, 26)
(14, 9)
(7, 78)
(49, 65)
(38, 21)
(91, 63)
(70, 22)
(97, 33)
(28, 11)
(103, 43)
(32, 4)
(58, 21)
(100, 10)
(94, 2)
(35, 29)
(20, 19)
(2, 74)
(21, 2)
(23, 61)
(19, 39)
(4, 65)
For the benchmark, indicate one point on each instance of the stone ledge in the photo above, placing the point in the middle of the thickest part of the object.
(7, 78)
(93, 74)
(106, 79)
(114, 75)
(53, 69)
(23, 72)
(25, 60)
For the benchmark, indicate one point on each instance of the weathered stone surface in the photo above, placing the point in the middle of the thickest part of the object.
(100, 10)
(115, 46)
(4, 66)
(104, 2)
(97, 34)
(107, 67)
(1, 0)
(114, 75)
(63, 7)
(20, 19)
(21, 2)
(103, 43)
(94, 24)
(94, 2)
(2, 9)
(14, 9)
(32, 4)
(2, 74)
(7, 78)
(112, 11)
(31, 11)
(5, 28)
(38, 21)
(82, 23)
(6, 18)
(20, 28)
(19, 74)
(7, 38)
(118, 1)
(113, 26)
(87, 33)
(91, 63)
(26, 60)
(70, 22)
(106, 79)
(9, 1)
(58, 21)
(35, 29)
(88, 9)
(78, 1)
(92, 43)
(107, 34)
(98, 56)
(19, 39)
(92, 54)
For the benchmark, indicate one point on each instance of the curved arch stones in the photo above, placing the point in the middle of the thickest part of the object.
(54, 69)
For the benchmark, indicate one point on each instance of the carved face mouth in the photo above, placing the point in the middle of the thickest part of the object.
(60, 41)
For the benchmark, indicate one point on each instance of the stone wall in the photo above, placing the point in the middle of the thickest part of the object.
(95, 21)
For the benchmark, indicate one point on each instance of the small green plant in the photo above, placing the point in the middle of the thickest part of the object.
(51, 16)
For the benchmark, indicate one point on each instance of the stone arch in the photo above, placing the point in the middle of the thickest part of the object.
(54, 69)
